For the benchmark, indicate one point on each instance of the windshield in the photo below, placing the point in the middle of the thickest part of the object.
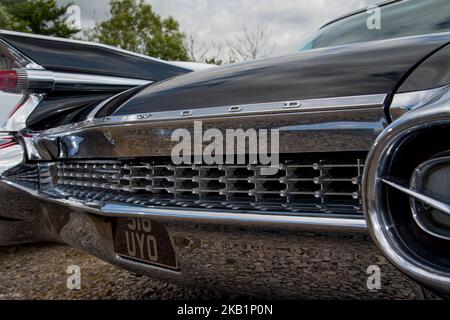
(399, 19)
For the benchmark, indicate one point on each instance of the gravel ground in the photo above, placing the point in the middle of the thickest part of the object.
(39, 271)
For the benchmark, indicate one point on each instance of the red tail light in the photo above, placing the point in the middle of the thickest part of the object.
(8, 79)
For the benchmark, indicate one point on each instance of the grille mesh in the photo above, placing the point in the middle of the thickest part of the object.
(331, 186)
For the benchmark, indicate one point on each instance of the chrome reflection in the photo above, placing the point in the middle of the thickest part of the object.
(19, 115)
(433, 114)
(11, 153)
(403, 103)
(327, 129)
(260, 109)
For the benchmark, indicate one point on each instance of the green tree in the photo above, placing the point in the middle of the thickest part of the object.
(37, 16)
(134, 26)
(5, 18)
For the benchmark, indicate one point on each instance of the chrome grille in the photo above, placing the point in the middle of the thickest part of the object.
(329, 185)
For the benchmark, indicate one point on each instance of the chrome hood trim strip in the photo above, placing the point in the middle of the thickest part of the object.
(270, 107)
(298, 106)
(319, 125)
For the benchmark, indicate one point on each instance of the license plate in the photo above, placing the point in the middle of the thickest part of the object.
(145, 241)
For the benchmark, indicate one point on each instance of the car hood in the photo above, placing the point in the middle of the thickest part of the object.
(360, 69)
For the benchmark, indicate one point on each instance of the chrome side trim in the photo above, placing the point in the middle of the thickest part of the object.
(87, 79)
(298, 106)
(403, 103)
(44, 80)
(445, 208)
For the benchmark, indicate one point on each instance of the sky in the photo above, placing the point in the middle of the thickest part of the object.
(290, 23)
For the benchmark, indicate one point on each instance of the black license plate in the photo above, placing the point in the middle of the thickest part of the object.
(144, 240)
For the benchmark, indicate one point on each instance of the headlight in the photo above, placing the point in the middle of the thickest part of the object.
(406, 192)
(432, 179)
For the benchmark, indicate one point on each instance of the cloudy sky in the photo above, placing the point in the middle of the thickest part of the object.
(290, 22)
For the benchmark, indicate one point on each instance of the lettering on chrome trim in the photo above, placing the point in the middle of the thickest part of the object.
(338, 103)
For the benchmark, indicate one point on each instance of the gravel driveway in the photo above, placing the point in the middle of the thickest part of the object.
(39, 272)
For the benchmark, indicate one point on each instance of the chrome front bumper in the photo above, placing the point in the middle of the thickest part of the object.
(265, 260)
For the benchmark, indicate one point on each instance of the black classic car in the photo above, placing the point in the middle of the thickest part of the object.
(362, 121)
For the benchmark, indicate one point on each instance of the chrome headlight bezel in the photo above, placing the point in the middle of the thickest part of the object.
(387, 232)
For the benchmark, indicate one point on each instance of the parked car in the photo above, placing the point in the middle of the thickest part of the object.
(363, 122)
(90, 71)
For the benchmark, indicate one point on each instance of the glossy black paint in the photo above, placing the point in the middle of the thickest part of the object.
(56, 110)
(433, 73)
(84, 58)
(63, 107)
(360, 69)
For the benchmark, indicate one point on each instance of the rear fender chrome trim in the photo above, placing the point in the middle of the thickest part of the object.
(44, 80)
